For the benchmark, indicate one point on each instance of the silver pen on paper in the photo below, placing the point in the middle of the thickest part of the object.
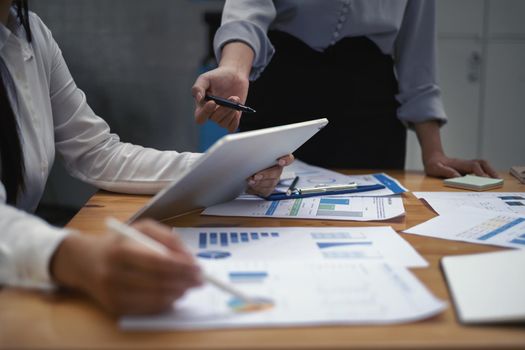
(330, 188)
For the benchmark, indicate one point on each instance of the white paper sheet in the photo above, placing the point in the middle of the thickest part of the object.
(489, 287)
(300, 244)
(304, 294)
(326, 208)
(476, 226)
(443, 202)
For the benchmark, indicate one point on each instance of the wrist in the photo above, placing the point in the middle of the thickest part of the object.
(429, 137)
(238, 56)
(65, 265)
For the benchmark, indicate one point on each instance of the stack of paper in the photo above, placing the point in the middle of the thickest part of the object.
(383, 204)
(309, 276)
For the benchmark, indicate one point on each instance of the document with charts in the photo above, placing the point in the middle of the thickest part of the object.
(476, 226)
(300, 244)
(311, 176)
(442, 202)
(323, 207)
(299, 294)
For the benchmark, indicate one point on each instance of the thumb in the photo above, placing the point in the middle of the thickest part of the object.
(199, 88)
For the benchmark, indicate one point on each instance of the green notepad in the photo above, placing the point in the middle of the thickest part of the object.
(472, 182)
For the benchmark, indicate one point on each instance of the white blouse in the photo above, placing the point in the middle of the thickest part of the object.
(53, 114)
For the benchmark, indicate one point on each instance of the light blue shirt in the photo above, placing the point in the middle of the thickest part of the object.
(404, 29)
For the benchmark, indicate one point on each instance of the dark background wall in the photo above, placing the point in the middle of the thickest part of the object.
(136, 61)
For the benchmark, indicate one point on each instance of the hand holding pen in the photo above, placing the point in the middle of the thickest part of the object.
(227, 84)
(124, 276)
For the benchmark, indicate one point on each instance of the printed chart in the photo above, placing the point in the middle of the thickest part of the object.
(299, 294)
(327, 208)
(476, 226)
(300, 244)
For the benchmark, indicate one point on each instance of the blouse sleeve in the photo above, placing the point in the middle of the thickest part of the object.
(95, 155)
(247, 21)
(415, 55)
(27, 244)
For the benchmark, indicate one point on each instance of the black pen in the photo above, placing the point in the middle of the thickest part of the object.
(230, 104)
(292, 189)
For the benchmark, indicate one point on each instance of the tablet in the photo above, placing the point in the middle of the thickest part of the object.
(220, 174)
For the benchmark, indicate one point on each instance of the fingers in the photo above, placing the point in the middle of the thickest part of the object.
(450, 167)
(129, 269)
(264, 182)
(226, 117)
(133, 256)
(202, 114)
(488, 169)
(478, 170)
(202, 84)
(161, 233)
(286, 160)
(440, 170)
(477, 167)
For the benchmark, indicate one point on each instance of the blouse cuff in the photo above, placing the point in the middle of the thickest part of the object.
(32, 261)
(253, 36)
(422, 105)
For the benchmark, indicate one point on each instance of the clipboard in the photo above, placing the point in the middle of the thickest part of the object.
(277, 196)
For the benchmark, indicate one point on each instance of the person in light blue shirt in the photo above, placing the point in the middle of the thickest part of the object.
(369, 66)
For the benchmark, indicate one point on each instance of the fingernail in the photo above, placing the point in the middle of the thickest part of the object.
(258, 177)
(199, 96)
(282, 162)
(251, 182)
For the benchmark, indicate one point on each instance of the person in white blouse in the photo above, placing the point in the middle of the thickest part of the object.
(43, 111)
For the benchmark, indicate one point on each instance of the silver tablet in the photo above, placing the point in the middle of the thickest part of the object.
(220, 174)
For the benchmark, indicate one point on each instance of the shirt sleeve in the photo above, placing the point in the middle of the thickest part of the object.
(27, 244)
(415, 55)
(92, 153)
(247, 21)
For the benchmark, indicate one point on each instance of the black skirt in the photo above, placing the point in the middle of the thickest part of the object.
(352, 83)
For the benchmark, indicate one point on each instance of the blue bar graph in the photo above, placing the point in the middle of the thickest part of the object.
(203, 239)
(501, 229)
(341, 201)
(272, 208)
(248, 276)
(324, 245)
(518, 241)
(224, 239)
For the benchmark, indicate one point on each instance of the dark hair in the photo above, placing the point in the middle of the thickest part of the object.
(11, 154)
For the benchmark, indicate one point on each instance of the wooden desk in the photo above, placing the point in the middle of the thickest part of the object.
(34, 320)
